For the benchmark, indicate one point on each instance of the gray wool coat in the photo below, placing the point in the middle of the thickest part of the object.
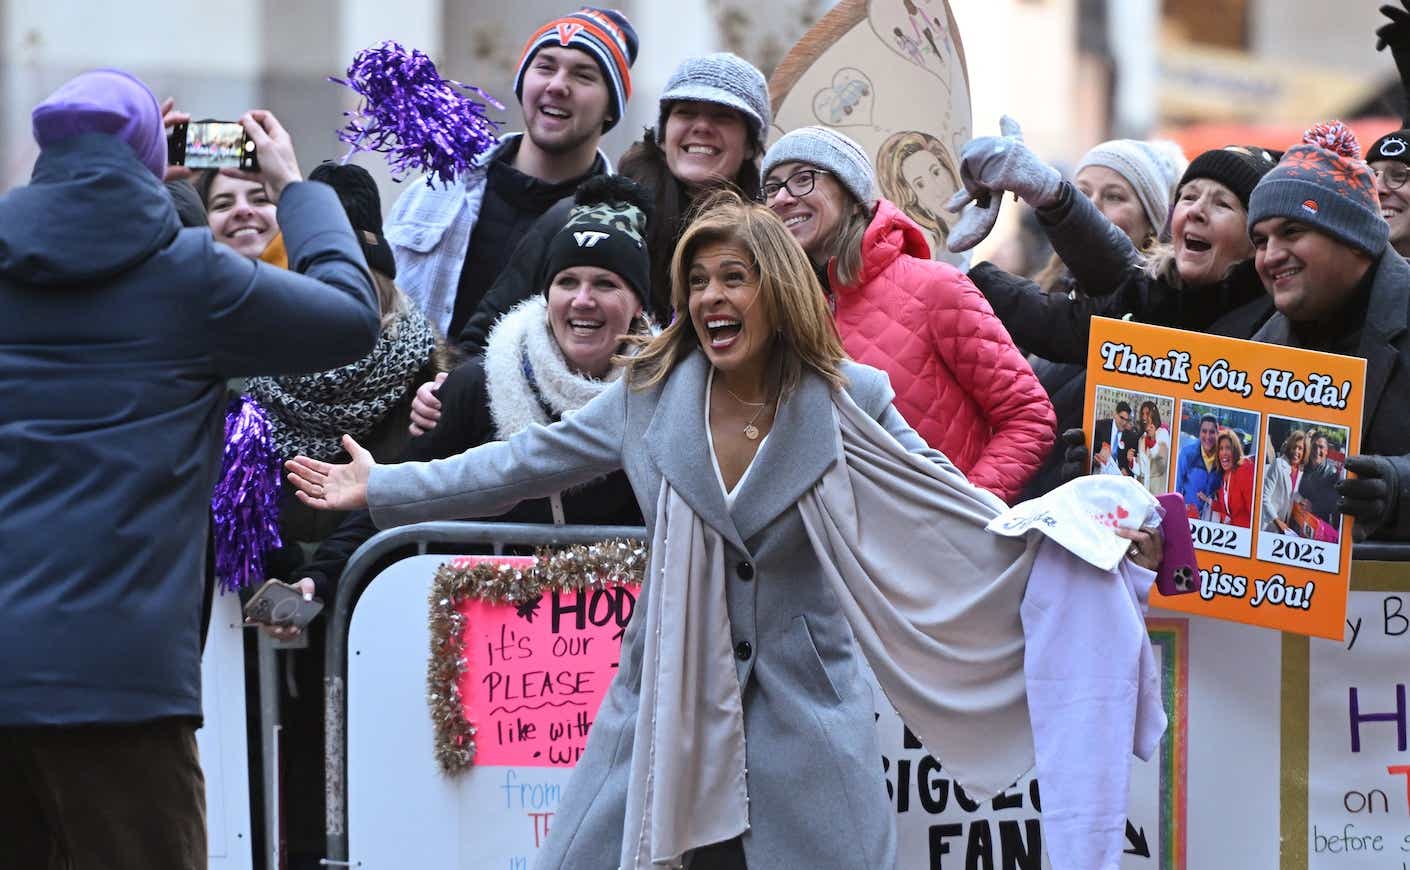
(817, 795)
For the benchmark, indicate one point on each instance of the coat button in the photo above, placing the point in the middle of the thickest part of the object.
(745, 571)
(743, 650)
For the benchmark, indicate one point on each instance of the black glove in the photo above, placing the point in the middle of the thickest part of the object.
(1076, 459)
(1372, 498)
(1395, 34)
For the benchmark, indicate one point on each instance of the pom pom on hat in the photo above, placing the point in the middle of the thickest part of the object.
(1335, 137)
(1330, 189)
(605, 228)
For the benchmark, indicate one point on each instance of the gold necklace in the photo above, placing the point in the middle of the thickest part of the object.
(750, 430)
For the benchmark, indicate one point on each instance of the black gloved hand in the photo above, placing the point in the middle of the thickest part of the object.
(1395, 35)
(1077, 458)
(1372, 498)
(1395, 32)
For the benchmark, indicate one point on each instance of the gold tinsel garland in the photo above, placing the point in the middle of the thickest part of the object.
(586, 566)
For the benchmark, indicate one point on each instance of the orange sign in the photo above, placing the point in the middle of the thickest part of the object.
(1255, 438)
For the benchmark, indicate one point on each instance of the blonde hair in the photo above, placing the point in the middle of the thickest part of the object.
(788, 291)
(892, 180)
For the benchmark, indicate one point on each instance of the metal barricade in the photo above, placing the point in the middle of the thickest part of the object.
(355, 578)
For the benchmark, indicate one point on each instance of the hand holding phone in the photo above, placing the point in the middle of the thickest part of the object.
(279, 604)
(1179, 571)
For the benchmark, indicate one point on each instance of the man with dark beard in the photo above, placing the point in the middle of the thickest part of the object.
(452, 242)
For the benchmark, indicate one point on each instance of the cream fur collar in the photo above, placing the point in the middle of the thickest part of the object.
(523, 334)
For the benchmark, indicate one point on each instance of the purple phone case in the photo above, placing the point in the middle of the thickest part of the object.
(1179, 572)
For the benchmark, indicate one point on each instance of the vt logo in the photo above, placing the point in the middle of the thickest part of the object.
(566, 32)
(588, 238)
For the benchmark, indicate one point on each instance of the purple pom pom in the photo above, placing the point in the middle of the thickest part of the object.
(421, 121)
(246, 502)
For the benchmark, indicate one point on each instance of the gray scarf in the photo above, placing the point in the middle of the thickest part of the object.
(309, 413)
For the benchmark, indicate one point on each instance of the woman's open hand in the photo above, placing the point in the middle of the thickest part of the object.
(1147, 547)
(330, 487)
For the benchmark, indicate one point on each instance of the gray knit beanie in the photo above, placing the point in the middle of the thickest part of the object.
(1324, 184)
(722, 78)
(826, 149)
(1143, 169)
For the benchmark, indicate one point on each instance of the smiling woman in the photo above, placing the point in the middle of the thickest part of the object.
(709, 135)
(992, 420)
(241, 213)
(741, 647)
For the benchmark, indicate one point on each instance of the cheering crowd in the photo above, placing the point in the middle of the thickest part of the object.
(622, 341)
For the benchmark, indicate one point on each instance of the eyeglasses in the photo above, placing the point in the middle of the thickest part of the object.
(1394, 176)
(798, 184)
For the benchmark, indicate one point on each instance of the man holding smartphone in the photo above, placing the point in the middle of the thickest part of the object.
(122, 331)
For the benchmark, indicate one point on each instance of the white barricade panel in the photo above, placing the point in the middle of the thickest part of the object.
(221, 741)
(1212, 798)
(401, 811)
(1359, 814)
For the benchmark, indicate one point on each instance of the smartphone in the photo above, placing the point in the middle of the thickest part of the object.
(279, 603)
(211, 145)
(1179, 572)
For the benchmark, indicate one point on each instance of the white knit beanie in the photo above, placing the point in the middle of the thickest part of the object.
(1146, 170)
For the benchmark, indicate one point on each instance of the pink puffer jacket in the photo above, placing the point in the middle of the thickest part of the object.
(959, 380)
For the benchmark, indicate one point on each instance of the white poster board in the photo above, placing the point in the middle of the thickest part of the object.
(1359, 803)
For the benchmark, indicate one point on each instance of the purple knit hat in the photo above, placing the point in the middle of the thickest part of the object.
(106, 101)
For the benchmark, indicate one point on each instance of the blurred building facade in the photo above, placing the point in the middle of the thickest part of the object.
(1073, 71)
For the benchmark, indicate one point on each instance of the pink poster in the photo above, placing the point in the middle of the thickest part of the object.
(536, 672)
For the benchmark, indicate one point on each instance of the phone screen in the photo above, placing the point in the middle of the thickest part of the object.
(211, 145)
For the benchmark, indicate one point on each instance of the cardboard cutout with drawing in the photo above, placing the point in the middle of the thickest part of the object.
(891, 75)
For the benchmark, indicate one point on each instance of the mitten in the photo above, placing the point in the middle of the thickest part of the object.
(1077, 458)
(1373, 497)
(1395, 35)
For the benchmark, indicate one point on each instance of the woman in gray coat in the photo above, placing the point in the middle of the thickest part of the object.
(729, 419)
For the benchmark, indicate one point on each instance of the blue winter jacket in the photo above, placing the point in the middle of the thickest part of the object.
(1193, 478)
(119, 333)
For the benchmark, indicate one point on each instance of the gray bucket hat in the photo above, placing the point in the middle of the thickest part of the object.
(722, 78)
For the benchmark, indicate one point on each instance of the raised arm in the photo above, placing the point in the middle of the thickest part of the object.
(1054, 326)
(1097, 253)
(318, 314)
